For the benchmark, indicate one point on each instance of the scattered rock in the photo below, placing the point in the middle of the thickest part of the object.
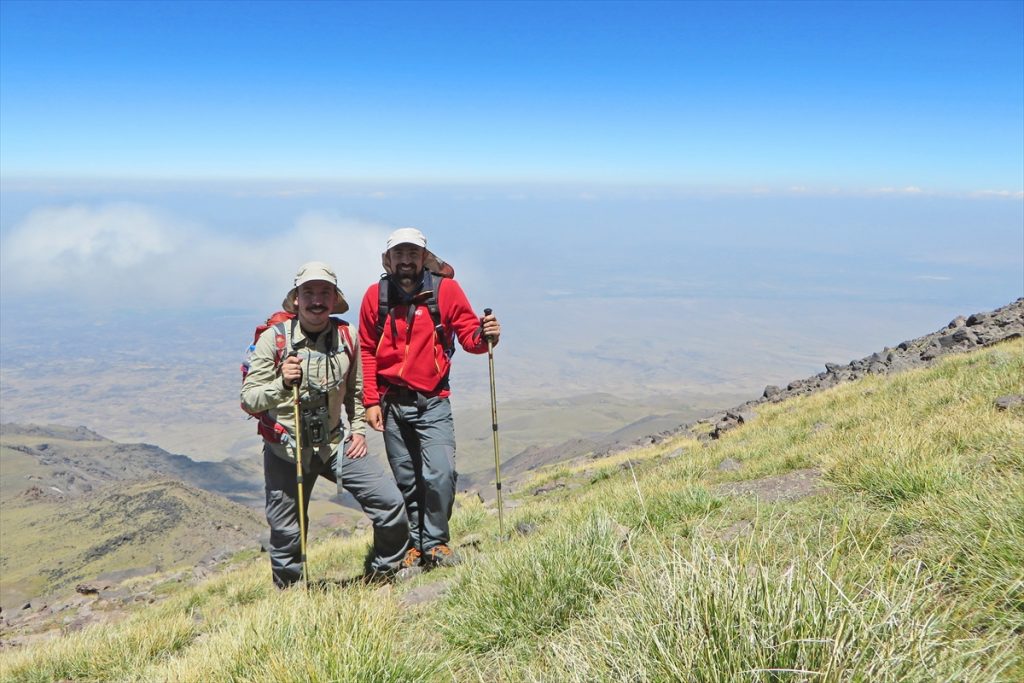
(87, 589)
(978, 319)
(33, 493)
(548, 488)
(428, 592)
(1008, 402)
(76, 623)
(623, 533)
(744, 416)
(965, 336)
(729, 465)
(471, 541)
(525, 528)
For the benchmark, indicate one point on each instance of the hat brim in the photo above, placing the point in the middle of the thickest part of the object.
(340, 306)
(430, 262)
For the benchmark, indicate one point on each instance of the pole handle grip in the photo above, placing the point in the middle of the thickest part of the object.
(490, 343)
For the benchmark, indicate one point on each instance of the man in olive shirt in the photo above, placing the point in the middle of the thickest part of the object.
(316, 353)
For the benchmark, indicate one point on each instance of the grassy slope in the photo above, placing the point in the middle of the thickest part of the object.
(158, 525)
(549, 422)
(906, 563)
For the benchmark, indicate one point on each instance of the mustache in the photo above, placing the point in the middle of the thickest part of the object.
(316, 308)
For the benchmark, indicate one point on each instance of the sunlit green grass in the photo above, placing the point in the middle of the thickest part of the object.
(906, 564)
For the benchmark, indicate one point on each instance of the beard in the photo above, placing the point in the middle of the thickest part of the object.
(410, 276)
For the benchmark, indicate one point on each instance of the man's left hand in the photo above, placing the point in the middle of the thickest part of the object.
(491, 328)
(356, 446)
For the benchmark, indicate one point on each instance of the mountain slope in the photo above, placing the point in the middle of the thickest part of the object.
(74, 461)
(869, 531)
(49, 542)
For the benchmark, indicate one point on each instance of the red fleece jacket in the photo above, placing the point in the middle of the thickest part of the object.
(415, 357)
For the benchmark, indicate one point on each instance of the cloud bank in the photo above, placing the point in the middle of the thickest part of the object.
(118, 256)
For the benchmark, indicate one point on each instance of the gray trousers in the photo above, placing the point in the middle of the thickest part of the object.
(365, 478)
(419, 437)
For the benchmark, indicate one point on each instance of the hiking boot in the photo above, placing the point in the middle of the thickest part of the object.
(442, 556)
(413, 558)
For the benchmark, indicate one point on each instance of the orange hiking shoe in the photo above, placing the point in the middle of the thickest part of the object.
(413, 558)
(442, 556)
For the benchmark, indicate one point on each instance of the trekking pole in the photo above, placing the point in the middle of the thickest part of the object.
(298, 481)
(494, 430)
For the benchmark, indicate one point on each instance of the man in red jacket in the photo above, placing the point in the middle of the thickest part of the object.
(408, 324)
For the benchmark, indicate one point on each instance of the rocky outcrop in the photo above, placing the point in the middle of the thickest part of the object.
(961, 335)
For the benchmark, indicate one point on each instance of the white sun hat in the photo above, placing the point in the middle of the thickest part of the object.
(413, 236)
(308, 272)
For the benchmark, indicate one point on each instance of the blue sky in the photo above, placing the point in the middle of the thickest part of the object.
(650, 195)
(850, 97)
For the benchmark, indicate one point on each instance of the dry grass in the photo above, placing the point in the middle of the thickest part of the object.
(908, 566)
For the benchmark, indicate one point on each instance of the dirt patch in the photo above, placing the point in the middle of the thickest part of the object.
(790, 486)
(736, 530)
(428, 592)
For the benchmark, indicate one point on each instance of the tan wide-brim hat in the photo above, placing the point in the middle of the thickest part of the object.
(414, 236)
(315, 270)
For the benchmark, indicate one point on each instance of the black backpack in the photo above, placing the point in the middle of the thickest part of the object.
(427, 296)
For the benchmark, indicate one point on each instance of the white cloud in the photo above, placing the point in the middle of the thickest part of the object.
(933, 278)
(910, 189)
(1007, 194)
(131, 255)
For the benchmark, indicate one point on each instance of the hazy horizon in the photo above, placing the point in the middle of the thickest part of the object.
(657, 199)
(132, 303)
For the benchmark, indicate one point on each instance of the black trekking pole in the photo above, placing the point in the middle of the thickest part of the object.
(494, 430)
(298, 481)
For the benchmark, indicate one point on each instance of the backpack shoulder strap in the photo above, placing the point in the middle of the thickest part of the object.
(281, 342)
(383, 304)
(345, 338)
(432, 283)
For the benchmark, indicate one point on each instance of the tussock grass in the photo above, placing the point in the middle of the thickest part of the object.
(667, 505)
(746, 615)
(531, 588)
(351, 635)
(118, 653)
(977, 536)
(471, 518)
(909, 566)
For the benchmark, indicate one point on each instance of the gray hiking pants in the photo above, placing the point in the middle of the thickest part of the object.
(365, 478)
(419, 436)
